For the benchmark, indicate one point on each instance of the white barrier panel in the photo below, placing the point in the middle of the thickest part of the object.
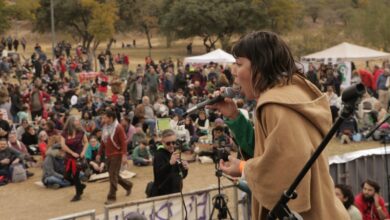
(199, 205)
(90, 213)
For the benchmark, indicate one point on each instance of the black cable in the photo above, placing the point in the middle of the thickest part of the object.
(180, 166)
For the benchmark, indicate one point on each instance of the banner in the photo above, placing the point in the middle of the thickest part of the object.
(345, 70)
(198, 207)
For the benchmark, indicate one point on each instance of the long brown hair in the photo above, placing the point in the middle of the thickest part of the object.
(270, 57)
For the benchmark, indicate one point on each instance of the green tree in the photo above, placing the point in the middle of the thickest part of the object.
(212, 20)
(76, 17)
(283, 15)
(4, 17)
(23, 9)
(313, 8)
(371, 23)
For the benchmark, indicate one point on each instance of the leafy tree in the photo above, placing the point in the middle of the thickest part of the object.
(212, 20)
(282, 15)
(77, 16)
(4, 17)
(371, 23)
(314, 8)
(23, 9)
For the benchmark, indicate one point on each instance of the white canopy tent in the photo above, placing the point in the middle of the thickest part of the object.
(347, 52)
(216, 56)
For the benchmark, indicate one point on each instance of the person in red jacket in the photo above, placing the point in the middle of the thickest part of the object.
(367, 79)
(370, 203)
(114, 146)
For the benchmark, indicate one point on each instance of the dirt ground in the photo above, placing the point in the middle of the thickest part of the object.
(27, 200)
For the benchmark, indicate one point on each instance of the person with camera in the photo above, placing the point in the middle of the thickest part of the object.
(74, 144)
(114, 146)
(370, 203)
(291, 118)
(168, 169)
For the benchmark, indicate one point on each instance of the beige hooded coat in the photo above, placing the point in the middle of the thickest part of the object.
(291, 121)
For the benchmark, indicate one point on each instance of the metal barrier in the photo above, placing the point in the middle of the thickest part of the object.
(154, 200)
(90, 213)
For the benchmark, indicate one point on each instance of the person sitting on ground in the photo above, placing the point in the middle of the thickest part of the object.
(30, 139)
(21, 129)
(370, 204)
(347, 129)
(42, 143)
(344, 193)
(90, 155)
(202, 124)
(54, 167)
(8, 157)
(138, 136)
(141, 155)
(21, 148)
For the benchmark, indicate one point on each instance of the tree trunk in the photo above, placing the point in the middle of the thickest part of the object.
(208, 47)
(225, 42)
(147, 32)
(169, 39)
(94, 48)
(110, 44)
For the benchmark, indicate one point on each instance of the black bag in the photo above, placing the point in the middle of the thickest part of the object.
(149, 189)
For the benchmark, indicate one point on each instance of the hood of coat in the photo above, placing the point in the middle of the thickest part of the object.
(303, 97)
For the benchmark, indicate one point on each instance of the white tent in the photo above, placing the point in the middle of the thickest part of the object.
(216, 56)
(347, 52)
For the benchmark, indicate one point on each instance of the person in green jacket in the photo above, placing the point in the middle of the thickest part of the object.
(141, 155)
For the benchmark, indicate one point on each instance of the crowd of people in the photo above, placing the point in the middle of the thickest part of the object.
(49, 113)
(95, 124)
(373, 108)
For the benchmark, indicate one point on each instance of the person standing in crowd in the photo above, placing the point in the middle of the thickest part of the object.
(38, 98)
(344, 193)
(75, 146)
(150, 118)
(370, 204)
(16, 44)
(312, 75)
(266, 71)
(114, 145)
(24, 44)
(382, 86)
(168, 169)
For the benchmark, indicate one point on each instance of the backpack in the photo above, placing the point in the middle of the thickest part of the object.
(149, 189)
(18, 173)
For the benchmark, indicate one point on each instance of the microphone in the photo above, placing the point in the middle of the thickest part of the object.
(228, 92)
(239, 183)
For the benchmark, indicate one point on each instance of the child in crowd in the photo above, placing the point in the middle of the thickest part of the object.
(90, 155)
(23, 114)
(141, 155)
(42, 143)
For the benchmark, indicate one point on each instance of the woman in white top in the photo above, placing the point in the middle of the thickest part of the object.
(344, 193)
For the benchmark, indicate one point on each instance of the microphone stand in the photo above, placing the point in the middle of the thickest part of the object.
(385, 148)
(281, 210)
